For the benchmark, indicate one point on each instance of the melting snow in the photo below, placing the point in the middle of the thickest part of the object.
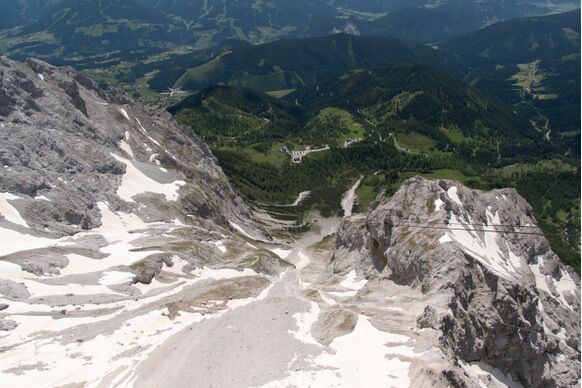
(282, 253)
(124, 113)
(10, 212)
(304, 322)
(135, 182)
(141, 126)
(7, 269)
(351, 283)
(486, 250)
(565, 285)
(349, 197)
(220, 246)
(438, 204)
(452, 192)
(113, 277)
(301, 197)
(303, 261)
(239, 229)
(360, 359)
(124, 146)
(487, 376)
(13, 241)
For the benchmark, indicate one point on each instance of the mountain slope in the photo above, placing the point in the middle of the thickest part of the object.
(401, 100)
(111, 215)
(126, 258)
(494, 295)
(386, 125)
(294, 63)
(532, 63)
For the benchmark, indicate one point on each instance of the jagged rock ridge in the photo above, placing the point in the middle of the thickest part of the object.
(497, 295)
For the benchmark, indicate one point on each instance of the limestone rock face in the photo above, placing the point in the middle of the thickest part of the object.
(505, 299)
(118, 230)
(64, 139)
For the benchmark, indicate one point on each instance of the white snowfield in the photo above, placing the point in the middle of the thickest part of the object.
(484, 249)
(127, 329)
(135, 182)
(124, 146)
(9, 212)
(366, 357)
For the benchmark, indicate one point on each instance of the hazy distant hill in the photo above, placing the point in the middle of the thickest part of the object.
(290, 64)
(103, 33)
(532, 63)
(92, 29)
(433, 22)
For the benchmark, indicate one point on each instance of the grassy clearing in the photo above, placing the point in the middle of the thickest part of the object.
(199, 73)
(454, 134)
(280, 93)
(273, 156)
(415, 142)
(366, 194)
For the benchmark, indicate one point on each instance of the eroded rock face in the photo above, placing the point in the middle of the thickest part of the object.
(64, 139)
(505, 298)
(118, 229)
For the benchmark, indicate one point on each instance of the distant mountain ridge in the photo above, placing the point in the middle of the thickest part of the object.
(58, 30)
(533, 64)
(291, 64)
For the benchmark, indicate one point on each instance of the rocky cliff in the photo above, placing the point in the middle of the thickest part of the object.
(64, 139)
(117, 230)
(495, 294)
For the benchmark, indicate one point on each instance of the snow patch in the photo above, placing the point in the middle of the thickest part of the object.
(359, 359)
(351, 283)
(452, 192)
(565, 285)
(7, 269)
(486, 250)
(303, 261)
(488, 376)
(304, 322)
(124, 146)
(13, 241)
(9, 212)
(135, 182)
(300, 198)
(220, 246)
(239, 229)
(141, 126)
(113, 278)
(282, 253)
(124, 113)
(438, 204)
(349, 198)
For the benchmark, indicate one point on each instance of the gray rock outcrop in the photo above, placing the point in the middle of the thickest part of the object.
(58, 136)
(498, 293)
